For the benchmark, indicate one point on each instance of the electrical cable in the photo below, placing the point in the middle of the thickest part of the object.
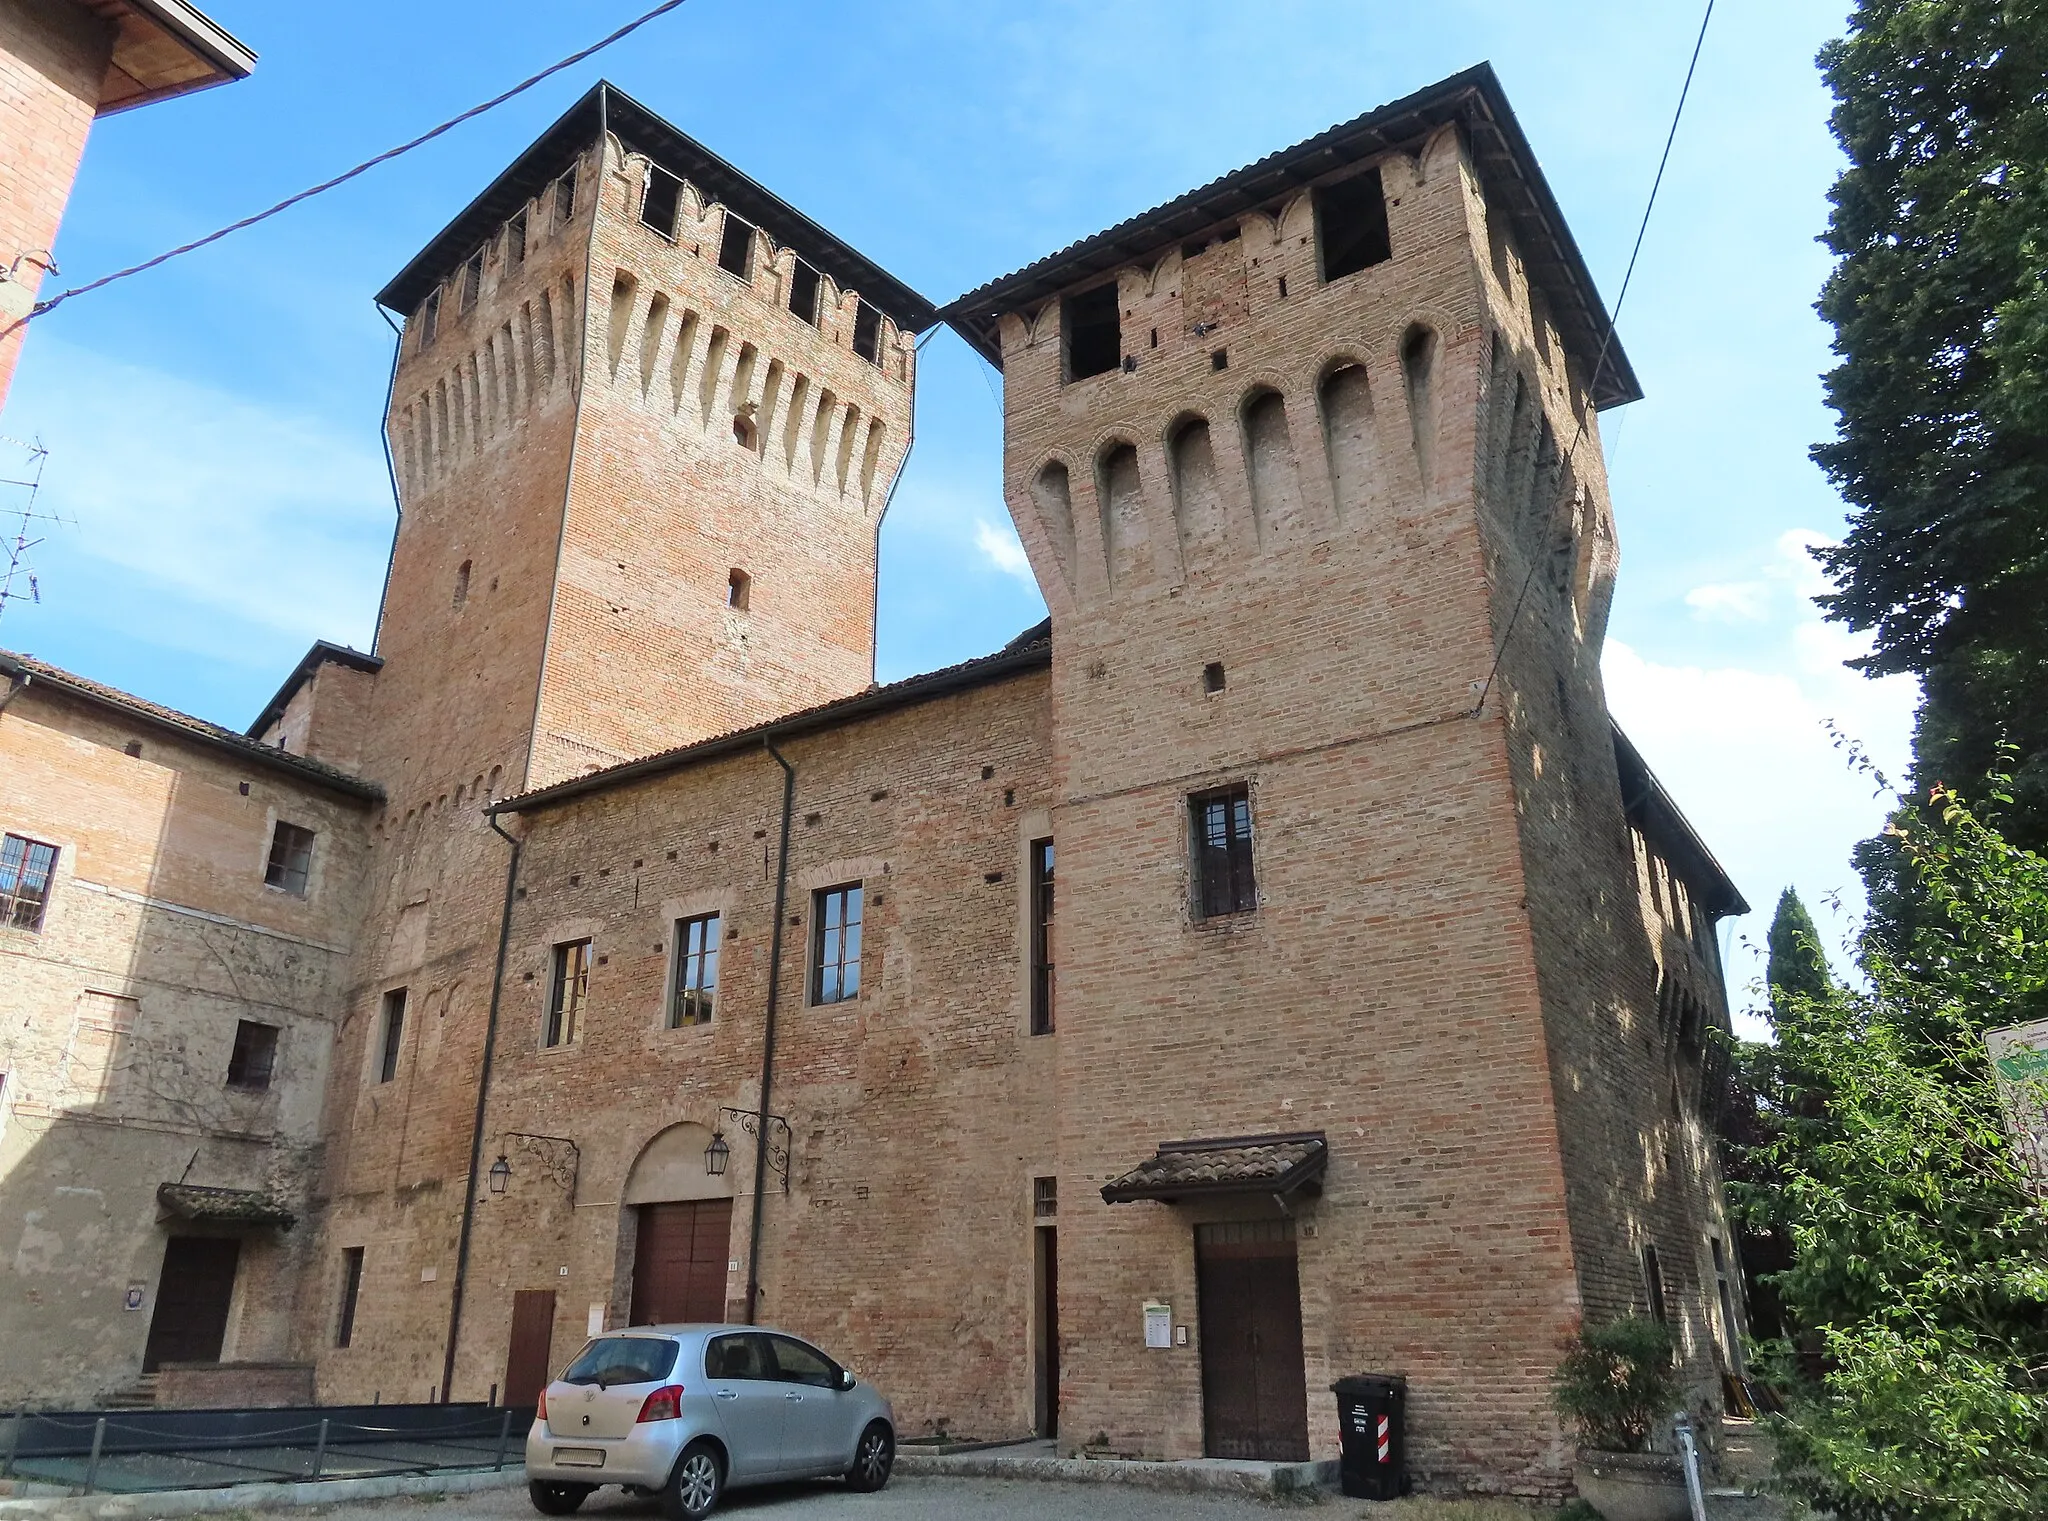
(1606, 341)
(363, 168)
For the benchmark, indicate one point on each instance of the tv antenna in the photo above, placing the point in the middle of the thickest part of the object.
(24, 483)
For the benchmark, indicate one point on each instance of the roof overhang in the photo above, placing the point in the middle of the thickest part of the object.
(605, 107)
(1650, 808)
(1269, 1165)
(164, 48)
(322, 653)
(23, 671)
(1507, 169)
(233, 1207)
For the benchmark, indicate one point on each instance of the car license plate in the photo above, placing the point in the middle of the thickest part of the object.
(579, 1457)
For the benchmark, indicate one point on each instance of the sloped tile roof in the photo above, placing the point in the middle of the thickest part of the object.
(1230, 1164)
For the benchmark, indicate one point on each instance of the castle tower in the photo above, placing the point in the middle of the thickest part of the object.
(1293, 457)
(644, 423)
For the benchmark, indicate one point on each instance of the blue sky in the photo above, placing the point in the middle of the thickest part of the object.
(213, 425)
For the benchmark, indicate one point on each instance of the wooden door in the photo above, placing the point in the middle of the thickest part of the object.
(1048, 1401)
(528, 1360)
(1254, 1390)
(679, 1265)
(193, 1293)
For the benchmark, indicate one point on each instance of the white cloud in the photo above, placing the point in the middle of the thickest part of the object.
(1734, 602)
(1747, 751)
(271, 517)
(1003, 551)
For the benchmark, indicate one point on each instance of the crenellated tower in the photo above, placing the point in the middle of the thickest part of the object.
(1295, 457)
(644, 423)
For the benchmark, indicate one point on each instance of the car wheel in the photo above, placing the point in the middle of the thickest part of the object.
(873, 1458)
(557, 1499)
(695, 1483)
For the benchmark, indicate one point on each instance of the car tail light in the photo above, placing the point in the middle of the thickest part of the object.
(664, 1404)
(541, 1414)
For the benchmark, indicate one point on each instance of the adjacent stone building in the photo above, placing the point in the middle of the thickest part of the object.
(1274, 966)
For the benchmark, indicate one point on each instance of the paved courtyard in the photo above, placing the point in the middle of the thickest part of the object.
(906, 1499)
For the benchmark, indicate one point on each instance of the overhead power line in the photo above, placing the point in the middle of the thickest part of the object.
(363, 168)
(1606, 341)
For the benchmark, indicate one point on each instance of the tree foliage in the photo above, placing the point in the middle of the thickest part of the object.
(1797, 964)
(1940, 307)
(1617, 1383)
(1920, 1266)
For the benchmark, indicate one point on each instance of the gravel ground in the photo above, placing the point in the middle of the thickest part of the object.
(908, 1498)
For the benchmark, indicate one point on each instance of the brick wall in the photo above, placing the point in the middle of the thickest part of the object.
(53, 55)
(159, 937)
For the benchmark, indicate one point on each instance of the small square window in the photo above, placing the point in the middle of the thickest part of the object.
(567, 991)
(1221, 823)
(26, 867)
(658, 205)
(390, 1035)
(696, 972)
(867, 333)
(835, 944)
(291, 859)
(254, 1056)
(736, 248)
(565, 197)
(803, 291)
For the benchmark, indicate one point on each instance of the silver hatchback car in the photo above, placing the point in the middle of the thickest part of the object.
(686, 1412)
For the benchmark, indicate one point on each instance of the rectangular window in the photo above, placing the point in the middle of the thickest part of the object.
(736, 248)
(1041, 937)
(1351, 225)
(803, 292)
(254, 1055)
(658, 205)
(351, 1290)
(696, 963)
(430, 319)
(390, 1034)
(515, 241)
(1653, 1281)
(565, 197)
(472, 285)
(291, 859)
(567, 991)
(1222, 826)
(835, 944)
(1090, 332)
(26, 867)
(867, 333)
(1045, 1198)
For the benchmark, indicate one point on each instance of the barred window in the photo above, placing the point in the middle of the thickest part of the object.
(26, 867)
(291, 859)
(568, 989)
(254, 1057)
(1222, 828)
(835, 944)
(696, 975)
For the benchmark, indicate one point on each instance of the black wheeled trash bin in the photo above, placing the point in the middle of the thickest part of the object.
(1370, 1415)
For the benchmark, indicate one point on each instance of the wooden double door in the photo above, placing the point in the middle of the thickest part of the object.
(1254, 1391)
(680, 1261)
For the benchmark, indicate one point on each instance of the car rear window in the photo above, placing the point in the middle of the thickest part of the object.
(623, 1360)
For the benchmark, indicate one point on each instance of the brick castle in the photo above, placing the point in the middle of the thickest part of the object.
(1275, 966)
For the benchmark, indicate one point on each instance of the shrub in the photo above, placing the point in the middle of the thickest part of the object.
(1617, 1383)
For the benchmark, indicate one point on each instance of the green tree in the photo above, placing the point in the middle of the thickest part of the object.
(1797, 964)
(1940, 307)
(1920, 1250)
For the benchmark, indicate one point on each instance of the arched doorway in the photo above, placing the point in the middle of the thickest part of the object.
(682, 1230)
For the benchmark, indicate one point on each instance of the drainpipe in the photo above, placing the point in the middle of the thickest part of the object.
(483, 1090)
(767, 1034)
